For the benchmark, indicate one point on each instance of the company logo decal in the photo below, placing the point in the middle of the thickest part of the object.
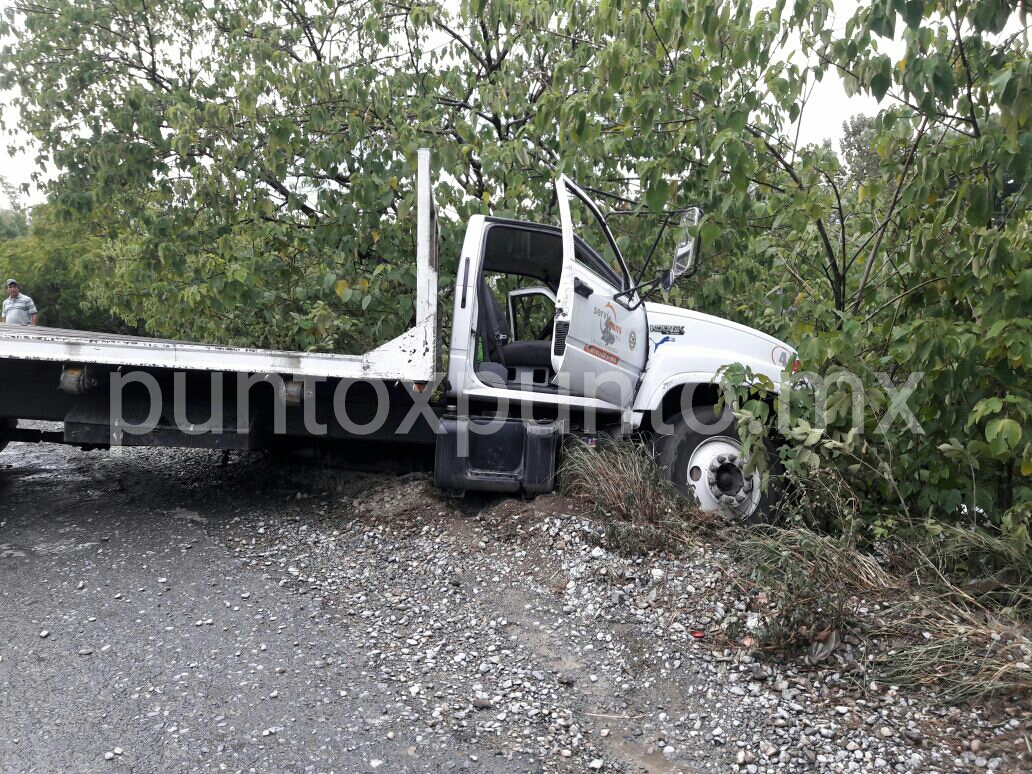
(632, 339)
(657, 344)
(609, 357)
(608, 329)
(670, 330)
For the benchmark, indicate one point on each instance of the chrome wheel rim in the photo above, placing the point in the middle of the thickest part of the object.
(715, 472)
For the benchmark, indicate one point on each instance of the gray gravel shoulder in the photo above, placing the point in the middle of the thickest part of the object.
(581, 656)
(317, 620)
(135, 640)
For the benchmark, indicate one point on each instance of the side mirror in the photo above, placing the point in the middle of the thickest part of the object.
(685, 252)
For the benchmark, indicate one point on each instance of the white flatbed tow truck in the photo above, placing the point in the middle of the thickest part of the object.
(574, 349)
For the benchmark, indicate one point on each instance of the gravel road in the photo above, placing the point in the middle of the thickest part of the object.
(166, 610)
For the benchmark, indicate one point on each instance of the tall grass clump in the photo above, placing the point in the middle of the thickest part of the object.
(942, 610)
(631, 493)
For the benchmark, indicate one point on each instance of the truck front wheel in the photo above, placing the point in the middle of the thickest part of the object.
(704, 457)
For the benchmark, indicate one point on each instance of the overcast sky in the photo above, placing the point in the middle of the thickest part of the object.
(827, 108)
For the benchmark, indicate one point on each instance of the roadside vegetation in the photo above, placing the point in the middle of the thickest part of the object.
(624, 485)
(924, 609)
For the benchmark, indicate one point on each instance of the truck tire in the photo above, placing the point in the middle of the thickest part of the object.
(707, 464)
(6, 424)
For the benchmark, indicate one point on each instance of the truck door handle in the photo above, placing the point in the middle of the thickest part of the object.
(465, 284)
(581, 288)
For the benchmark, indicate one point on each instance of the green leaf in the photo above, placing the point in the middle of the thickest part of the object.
(942, 80)
(978, 206)
(708, 232)
(657, 194)
(883, 19)
(1005, 429)
(1000, 80)
(991, 15)
(882, 80)
(913, 13)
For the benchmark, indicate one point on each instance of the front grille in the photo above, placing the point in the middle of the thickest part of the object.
(561, 331)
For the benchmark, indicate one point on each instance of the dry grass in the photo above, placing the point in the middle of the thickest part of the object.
(961, 667)
(814, 582)
(928, 633)
(933, 629)
(626, 487)
(928, 626)
(978, 564)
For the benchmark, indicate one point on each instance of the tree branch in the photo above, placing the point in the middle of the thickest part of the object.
(842, 219)
(967, 73)
(454, 36)
(826, 241)
(906, 292)
(888, 217)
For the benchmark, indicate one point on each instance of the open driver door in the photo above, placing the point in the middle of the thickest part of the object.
(600, 335)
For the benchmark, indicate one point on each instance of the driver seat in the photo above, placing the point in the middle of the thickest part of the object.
(494, 331)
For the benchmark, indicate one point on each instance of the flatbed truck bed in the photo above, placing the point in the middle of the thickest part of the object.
(405, 358)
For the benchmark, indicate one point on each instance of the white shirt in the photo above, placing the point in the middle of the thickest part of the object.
(19, 310)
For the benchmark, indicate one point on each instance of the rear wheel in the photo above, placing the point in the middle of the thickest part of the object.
(706, 460)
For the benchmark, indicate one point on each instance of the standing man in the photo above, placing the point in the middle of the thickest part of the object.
(18, 308)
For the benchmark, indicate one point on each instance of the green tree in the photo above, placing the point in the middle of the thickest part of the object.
(252, 182)
(12, 224)
(859, 134)
(50, 259)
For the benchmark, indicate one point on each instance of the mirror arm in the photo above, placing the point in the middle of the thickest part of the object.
(644, 290)
(655, 244)
(657, 282)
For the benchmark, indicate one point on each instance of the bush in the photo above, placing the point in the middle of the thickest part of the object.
(814, 582)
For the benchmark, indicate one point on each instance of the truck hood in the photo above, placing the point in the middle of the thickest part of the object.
(737, 343)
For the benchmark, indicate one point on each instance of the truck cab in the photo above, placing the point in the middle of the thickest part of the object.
(550, 332)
